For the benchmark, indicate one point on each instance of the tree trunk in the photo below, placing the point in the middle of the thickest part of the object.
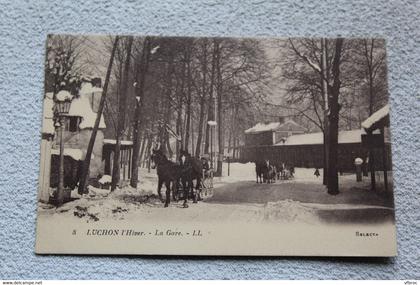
(188, 109)
(202, 101)
(220, 125)
(334, 109)
(369, 62)
(143, 144)
(210, 106)
(234, 147)
(179, 122)
(86, 163)
(179, 144)
(139, 89)
(169, 85)
(121, 118)
(192, 138)
(324, 85)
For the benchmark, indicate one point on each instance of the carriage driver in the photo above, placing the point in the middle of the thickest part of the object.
(206, 166)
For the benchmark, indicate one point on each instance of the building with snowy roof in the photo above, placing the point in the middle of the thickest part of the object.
(77, 131)
(306, 149)
(269, 133)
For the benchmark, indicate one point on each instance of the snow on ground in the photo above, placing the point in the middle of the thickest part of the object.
(132, 204)
(105, 179)
(246, 172)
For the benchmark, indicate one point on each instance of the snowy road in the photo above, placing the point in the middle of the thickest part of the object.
(251, 192)
(351, 205)
(236, 198)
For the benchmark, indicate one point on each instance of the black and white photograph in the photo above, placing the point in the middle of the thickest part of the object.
(215, 146)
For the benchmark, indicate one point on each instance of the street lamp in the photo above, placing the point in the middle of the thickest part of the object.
(62, 105)
(212, 125)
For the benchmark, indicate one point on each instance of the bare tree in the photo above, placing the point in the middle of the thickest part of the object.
(310, 78)
(86, 162)
(121, 117)
(64, 65)
(141, 71)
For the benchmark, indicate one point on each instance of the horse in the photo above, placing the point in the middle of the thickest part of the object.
(168, 172)
(191, 169)
(283, 172)
(271, 174)
(262, 169)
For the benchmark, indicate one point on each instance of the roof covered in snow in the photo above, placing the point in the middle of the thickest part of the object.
(87, 88)
(80, 107)
(376, 117)
(74, 153)
(353, 136)
(273, 126)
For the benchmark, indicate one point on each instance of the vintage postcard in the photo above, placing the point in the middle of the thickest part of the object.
(215, 146)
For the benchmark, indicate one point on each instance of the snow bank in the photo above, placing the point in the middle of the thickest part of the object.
(105, 179)
(238, 172)
(98, 192)
(289, 211)
(376, 117)
(74, 153)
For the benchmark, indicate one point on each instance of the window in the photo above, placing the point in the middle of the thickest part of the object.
(72, 124)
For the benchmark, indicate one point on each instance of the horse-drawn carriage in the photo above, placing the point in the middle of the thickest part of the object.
(205, 188)
(179, 177)
(268, 172)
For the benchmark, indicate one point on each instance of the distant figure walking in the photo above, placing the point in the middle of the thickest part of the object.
(316, 173)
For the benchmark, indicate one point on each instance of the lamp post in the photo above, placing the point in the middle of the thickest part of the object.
(212, 125)
(62, 105)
